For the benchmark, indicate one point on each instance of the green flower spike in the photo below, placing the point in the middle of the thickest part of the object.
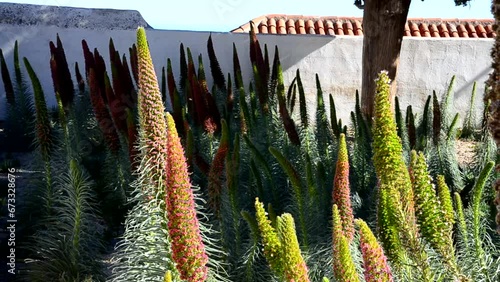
(343, 265)
(444, 195)
(281, 247)
(396, 210)
(294, 267)
(431, 216)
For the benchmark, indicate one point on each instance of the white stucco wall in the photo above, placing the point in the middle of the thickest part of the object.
(425, 65)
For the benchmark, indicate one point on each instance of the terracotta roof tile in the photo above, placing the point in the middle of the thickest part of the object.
(290, 27)
(452, 30)
(358, 28)
(462, 31)
(263, 28)
(471, 30)
(481, 32)
(339, 30)
(300, 26)
(443, 30)
(434, 31)
(350, 26)
(424, 30)
(329, 28)
(490, 31)
(271, 25)
(310, 27)
(320, 28)
(414, 29)
(280, 25)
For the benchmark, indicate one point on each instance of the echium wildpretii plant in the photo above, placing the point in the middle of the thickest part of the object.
(343, 265)
(342, 192)
(165, 204)
(68, 234)
(433, 212)
(477, 247)
(375, 264)
(44, 138)
(387, 161)
(281, 247)
(151, 119)
(188, 250)
(396, 212)
(68, 241)
(442, 155)
(216, 172)
(61, 77)
(289, 165)
(18, 127)
(146, 224)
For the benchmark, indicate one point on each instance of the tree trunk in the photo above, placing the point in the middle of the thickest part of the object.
(383, 28)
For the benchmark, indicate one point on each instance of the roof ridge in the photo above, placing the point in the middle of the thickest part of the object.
(345, 25)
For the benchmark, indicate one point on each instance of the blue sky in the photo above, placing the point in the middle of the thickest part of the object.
(225, 15)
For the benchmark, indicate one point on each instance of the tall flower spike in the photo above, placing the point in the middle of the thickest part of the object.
(63, 84)
(343, 265)
(445, 201)
(295, 269)
(151, 115)
(341, 190)
(390, 169)
(43, 129)
(288, 122)
(270, 239)
(102, 114)
(461, 223)
(429, 215)
(281, 247)
(217, 74)
(216, 172)
(188, 250)
(374, 260)
(388, 151)
(79, 79)
(396, 193)
(115, 105)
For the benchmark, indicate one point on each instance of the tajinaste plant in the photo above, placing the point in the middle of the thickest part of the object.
(396, 211)
(341, 190)
(281, 247)
(432, 215)
(343, 264)
(374, 260)
(295, 269)
(188, 250)
(151, 118)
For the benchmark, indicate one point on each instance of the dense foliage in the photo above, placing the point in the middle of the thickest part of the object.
(243, 182)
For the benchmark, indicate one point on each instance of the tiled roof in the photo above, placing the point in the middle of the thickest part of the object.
(418, 27)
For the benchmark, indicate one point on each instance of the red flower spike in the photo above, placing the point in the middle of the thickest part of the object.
(188, 250)
(341, 190)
